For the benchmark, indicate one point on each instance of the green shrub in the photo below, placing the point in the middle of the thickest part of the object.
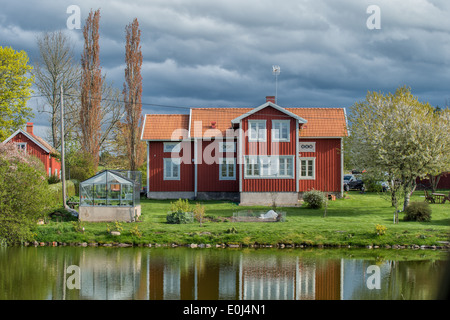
(180, 206)
(53, 179)
(314, 198)
(418, 211)
(180, 217)
(23, 194)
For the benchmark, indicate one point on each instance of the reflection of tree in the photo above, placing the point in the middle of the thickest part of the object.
(401, 280)
(34, 279)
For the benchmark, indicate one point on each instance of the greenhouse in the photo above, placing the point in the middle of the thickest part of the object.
(111, 195)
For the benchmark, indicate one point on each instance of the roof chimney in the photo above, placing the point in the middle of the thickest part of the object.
(30, 127)
(270, 99)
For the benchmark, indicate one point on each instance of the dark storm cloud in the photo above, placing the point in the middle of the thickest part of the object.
(220, 53)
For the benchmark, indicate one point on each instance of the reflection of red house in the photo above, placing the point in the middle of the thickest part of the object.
(38, 147)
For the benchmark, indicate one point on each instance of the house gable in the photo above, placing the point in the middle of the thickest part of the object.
(265, 105)
(30, 137)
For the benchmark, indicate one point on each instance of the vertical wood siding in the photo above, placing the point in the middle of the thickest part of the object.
(269, 148)
(328, 166)
(208, 169)
(156, 161)
(36, 151)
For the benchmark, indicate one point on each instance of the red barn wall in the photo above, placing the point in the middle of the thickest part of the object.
(328, 166)
(208, 170)
(34, 150)
(156, 163)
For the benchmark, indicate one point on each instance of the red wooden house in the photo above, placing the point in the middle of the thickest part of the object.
(253, 155)
(38, 147)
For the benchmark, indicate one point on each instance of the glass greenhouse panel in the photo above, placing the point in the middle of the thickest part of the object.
(111, 188)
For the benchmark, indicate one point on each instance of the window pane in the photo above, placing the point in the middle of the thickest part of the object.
(175, 170)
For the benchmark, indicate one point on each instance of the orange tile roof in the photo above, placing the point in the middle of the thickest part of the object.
(322, 122)
(165, 126)
(222, 117)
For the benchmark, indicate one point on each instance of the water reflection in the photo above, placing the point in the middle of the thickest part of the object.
(199, 274)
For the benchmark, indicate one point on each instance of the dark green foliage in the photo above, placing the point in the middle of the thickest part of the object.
(314, 199)
(180, 217)
(53, 179)
(418, 211)
(23, 199)
(181, 212)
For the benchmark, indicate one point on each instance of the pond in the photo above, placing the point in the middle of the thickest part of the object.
(141, 273)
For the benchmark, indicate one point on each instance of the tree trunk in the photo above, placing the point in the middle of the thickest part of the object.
(409, 188)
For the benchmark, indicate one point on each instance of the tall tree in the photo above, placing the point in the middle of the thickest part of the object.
(15, 90)
(91, 89)
(55, 68)
(397, 135)
(132, 93)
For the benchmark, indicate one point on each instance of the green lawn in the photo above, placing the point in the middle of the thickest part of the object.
(349, 221)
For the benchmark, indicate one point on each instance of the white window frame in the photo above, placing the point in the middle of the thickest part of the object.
(268, 167)
(228, 162)
(284, 163)
(175, 163)
(281, 123)
(22, 146)
(227, 146)
(172, 146)
(260, 127)
(307, 177)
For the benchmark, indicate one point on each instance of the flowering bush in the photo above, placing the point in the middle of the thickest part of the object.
(380, 229)
(314, 198)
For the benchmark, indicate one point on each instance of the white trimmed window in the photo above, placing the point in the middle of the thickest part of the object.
(22, 146)
(227, 169)
(257, 130)
(269, 167)
(280, 130)
(172, 146)
(286, 166)
(171, 169)
(307, 168)
(228, 146)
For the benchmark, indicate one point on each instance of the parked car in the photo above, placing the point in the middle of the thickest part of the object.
(357, 184)
(348, 178)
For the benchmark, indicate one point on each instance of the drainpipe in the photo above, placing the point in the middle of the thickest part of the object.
(148, 168)
(195, 167)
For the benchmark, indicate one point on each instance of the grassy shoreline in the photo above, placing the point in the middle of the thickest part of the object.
(348, 222)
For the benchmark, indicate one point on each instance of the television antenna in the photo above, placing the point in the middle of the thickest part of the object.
(276, 71)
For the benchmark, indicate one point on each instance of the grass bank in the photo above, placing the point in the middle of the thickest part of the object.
(349, 221)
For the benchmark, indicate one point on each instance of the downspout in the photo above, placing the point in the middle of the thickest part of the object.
(342, 167)
(240, 156)
(297, 141)
(148, 168)
(195, 167)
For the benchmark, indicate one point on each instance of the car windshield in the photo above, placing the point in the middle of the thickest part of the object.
(347, 177)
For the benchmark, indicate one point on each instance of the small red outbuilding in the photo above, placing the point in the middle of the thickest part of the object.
(27, 141)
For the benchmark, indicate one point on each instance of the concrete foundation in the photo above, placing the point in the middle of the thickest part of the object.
(280, 199)
(108, 214)
(231, 196)
(171, 195)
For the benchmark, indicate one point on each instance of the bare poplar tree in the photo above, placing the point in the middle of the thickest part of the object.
(55, 68)
(91, 89)
(132, 93)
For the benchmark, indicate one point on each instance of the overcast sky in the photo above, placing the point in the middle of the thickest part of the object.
(220, 53)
